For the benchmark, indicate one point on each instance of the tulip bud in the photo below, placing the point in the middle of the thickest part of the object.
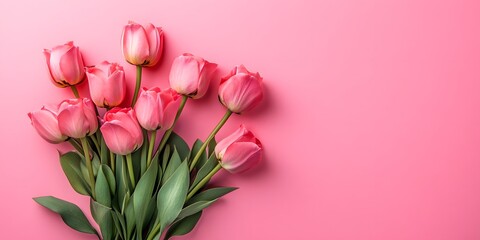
(241, 90)
(121, 131)
(240, 151)
(142, 46)
(157, 109)
(46, 123)
(190, 75)
(77, 117)
(107, 84)
(65, 65)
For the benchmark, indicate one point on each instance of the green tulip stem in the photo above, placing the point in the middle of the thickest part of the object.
(88, 162)
(130, 169)
(210, 137)
(204, 181)
(169, 131)
(137, 85)
(153, 137)
(75, 91)
(112, 160)
(154, 232)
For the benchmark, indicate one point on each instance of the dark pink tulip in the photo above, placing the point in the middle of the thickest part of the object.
(240, 151)
(142, 46)
(190, 75)
(46, 123)
(121, 131)
(77, 117)
(107, 84)
(65, 65)
(157, 109)
(241, 90)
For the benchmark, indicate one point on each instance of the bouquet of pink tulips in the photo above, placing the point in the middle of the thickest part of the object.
(142, 186)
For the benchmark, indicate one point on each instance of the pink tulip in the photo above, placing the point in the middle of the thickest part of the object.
(65, 64)
(107, 84)
(190, 75)
(240, 151)
(77, 117)
(142, 46)
(46, 123)
(157, 109)
(241, 90)
(121, 131)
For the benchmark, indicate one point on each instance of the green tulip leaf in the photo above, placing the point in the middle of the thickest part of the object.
(129, 218)
(196, 147)
(171, 196)
(173, 164)
(70, 213)
(211, 194)
(182, 147)
(211, 147)
(70, 163)
(102, 190)
(183, 226)
(206, 168)
(120, 224)
(110, 178)
(103, 216)
(194, 208)
(166, 157)
(143, 195)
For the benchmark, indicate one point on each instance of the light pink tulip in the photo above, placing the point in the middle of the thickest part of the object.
(107, 84)
(142, 46)
(77, 117)
(65, 64)
(240, 151)
(121, 131)
(241, 90)
(157, 109)
(46, 123)
(190, 75)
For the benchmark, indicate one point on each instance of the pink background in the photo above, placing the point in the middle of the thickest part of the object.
(371, 122)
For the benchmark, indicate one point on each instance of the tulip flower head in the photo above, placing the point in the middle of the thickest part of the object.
(46, 123)
(142, 46)
(190, 75)
(240, 151)
(121, 131)
(65, 64)
(157, 109)
(107, 84)
(77, 117)
(241, 90)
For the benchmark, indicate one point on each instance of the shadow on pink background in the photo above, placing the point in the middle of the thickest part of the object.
(371, 123)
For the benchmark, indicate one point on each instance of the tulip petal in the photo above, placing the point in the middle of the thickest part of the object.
(135, 44)
(96, 85)
(46, 124)
(184, 75)
(241, 92)
(115, 89)
(224, 143)
(155, 42)
(72, 122)
(241, 156)
(117, 138)
(205, 76)
(71, 66)
(146, 110)
(169, 113)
